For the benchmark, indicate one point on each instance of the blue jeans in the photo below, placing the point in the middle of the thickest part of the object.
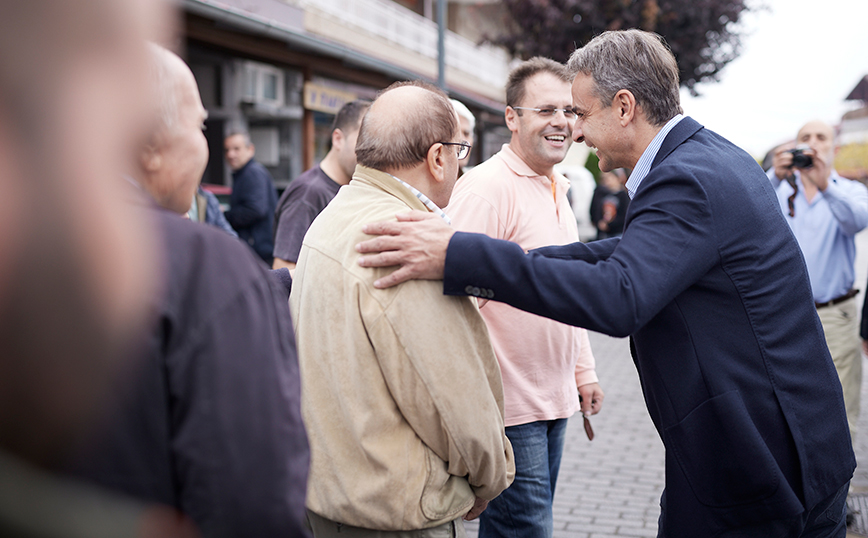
(524, 510)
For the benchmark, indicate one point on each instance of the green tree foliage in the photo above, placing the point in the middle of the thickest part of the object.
(703, 34)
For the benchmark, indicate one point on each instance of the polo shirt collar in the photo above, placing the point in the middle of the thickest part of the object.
(520, 168)
(515, 163)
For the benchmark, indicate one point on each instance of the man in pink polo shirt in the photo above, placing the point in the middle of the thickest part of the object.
(516, 195)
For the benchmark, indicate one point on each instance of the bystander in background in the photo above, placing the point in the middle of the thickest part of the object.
(253, 199)
(467, 123)
(825, 212)
(309, 193)
(609, 204)
(206, 208)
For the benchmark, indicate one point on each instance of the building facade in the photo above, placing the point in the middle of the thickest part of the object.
(280, 69)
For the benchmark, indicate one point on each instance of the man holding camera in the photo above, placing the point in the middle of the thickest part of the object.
(825, 212)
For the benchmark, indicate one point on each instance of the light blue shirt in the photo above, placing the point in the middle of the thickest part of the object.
(643, 166)
(825, 229)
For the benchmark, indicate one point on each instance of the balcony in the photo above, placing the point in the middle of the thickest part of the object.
(390, 31)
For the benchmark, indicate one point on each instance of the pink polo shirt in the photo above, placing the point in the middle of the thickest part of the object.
(542, 362)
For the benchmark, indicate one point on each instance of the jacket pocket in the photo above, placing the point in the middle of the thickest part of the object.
(445, 496)
(722, 454)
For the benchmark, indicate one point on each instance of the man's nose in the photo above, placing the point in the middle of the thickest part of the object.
(559, 118)
(577, 134)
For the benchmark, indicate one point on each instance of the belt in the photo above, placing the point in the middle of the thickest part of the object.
(849, 295)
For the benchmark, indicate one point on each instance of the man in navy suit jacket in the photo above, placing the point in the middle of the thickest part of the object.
(709, 283)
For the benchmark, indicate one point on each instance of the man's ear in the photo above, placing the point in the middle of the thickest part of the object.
(511, 117)
(338, 139)
(151, 158)
(625, 106)
(436, 161)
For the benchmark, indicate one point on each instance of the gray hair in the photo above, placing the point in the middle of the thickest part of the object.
(384, 143)
(464, 112)
(165, 88)
(242, 133)
(632, 60)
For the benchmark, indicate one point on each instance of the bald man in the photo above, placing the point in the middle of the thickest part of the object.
(212, 426)
(825, 212)
(402, 394)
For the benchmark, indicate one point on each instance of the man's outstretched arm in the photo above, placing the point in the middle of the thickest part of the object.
(417, 243)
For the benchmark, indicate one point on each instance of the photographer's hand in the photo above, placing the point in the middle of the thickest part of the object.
(782, 161)
(818, 174)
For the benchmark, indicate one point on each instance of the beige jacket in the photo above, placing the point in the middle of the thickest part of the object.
(401, 392)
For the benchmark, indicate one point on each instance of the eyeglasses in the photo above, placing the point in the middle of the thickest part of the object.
(463, 148)
(569, 113)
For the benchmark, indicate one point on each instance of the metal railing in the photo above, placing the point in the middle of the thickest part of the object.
(397, 24)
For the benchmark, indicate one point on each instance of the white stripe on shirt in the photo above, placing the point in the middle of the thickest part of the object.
(425, 200)
(643, 166)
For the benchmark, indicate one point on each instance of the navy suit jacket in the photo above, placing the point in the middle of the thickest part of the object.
(710, 283)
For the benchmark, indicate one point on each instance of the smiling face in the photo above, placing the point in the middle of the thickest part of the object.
(541, 142)
(597, 125)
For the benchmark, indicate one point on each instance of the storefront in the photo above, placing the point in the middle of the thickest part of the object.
(267, 76)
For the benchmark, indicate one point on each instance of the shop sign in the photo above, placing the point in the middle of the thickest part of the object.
(325, 99)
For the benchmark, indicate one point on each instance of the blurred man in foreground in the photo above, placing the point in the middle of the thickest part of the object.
(212, 425)
(76, 269)
(710, 285)
(401, 390)
(309, 193)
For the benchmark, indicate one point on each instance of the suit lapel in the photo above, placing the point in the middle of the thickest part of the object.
(681, 132)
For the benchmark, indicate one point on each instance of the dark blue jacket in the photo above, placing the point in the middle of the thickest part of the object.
(251, 207)
(710, 283)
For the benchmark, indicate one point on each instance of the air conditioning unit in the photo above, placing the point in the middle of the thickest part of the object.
(262, 84)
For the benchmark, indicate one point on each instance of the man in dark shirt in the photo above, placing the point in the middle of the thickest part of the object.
(253, 198)
(308, 195)
(212, 425)
(609, 204)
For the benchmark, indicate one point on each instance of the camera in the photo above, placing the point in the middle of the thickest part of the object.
(800, 159)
